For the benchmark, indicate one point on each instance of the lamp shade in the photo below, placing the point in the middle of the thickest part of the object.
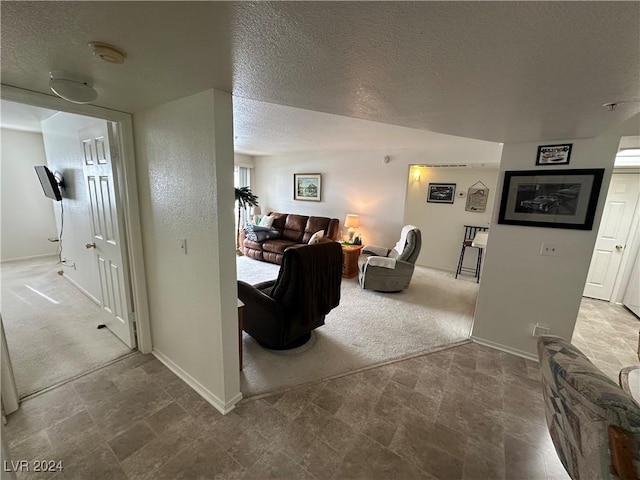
(256, 210)
(351, 221)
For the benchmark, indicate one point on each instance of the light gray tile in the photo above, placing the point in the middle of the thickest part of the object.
(131, 440)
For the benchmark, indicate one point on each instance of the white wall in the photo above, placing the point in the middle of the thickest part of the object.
(184, 151)
(64, 155)
(520, 287)
(442, 224)
(244, 160)
(27, 215)
(359, 183)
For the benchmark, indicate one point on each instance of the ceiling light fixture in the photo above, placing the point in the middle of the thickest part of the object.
(72, 87)
(107, 52)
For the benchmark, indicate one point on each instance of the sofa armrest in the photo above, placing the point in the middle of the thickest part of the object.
(399, 268)
(257, 303)
(375, 250)
(379, 261)
(262, 286)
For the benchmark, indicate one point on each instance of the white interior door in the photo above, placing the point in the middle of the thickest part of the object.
(620, 205)
(107, 231)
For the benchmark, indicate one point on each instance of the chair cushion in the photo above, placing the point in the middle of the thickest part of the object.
(278, 245)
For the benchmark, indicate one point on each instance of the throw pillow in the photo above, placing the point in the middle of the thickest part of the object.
(266, 235)
(256, 233)
(249, 232)
(266, 221)
(315, 238)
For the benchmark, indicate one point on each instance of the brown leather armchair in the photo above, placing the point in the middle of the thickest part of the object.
(280, 314)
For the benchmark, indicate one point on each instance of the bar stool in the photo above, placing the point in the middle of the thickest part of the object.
(470, 233)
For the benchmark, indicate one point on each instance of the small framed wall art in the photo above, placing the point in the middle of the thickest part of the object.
(307, 186)
(441, 192)
(477, 198)
(554, 154)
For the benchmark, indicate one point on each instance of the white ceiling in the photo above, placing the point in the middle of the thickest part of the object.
(497, 71)
(16, 116)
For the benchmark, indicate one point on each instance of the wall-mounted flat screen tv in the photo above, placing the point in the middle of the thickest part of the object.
(48, 182)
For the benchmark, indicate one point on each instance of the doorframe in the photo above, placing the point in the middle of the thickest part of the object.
(127, 197)
(631, 245)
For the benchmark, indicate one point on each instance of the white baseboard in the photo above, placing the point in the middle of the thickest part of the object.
(32, 257)
(210, 397)
(504, 348)
(75, 284)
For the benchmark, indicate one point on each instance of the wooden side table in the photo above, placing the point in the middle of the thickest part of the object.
(350, 254)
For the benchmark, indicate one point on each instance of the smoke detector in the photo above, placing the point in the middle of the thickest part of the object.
(107, 52)
(72, 87)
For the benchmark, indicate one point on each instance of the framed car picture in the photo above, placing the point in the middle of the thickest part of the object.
(554, 154)
(441, 192)
(551, 198)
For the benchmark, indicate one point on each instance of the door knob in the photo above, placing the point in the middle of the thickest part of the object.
(619, 247)
(91, 245)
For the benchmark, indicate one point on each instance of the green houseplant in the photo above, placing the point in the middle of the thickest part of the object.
(244, 199)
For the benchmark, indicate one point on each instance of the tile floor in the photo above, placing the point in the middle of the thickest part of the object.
(465, 412)
(608, 334)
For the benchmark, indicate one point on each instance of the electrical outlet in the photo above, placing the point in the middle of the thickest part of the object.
(549, 250)
(540, 329)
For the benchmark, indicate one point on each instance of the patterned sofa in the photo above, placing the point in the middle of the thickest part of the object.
(294, 230)
(581, 404)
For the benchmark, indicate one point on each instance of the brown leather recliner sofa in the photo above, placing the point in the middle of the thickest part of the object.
(294, 230)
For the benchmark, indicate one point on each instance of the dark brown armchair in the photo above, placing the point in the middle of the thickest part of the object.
(280, 314)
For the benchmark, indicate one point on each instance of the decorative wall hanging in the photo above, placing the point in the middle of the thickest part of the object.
(307, 186)
(477, 197)
(554, 154)
(441, 192)
(551, 198)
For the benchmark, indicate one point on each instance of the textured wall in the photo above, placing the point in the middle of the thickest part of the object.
(519, 287)
(442, 225)
(185, 170)
(359, 183)
(27, 215)
(62, 144)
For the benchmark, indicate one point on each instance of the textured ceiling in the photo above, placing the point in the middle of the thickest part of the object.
(267, 129)
(498, 71)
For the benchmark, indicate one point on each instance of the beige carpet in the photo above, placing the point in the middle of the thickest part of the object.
(366, 329)
(51, 326)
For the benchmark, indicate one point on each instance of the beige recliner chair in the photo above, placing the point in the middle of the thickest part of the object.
(390, 270)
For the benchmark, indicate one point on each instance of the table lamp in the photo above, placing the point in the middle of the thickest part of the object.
(351, 222)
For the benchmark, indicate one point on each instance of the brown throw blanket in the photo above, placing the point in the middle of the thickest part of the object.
(309, 279)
